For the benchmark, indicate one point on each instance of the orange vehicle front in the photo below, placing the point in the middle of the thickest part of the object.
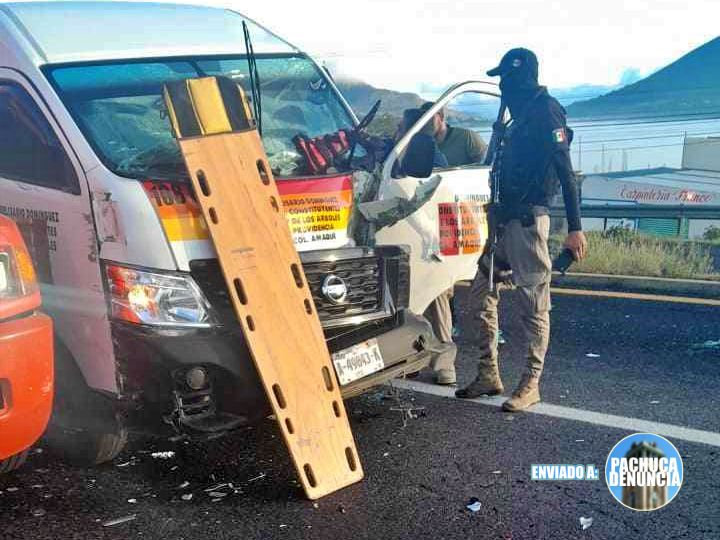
(26, 352)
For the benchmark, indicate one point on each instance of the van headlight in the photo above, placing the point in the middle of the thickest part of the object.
(142, 297)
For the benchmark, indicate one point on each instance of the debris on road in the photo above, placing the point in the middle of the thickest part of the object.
(408, 411)
(132, 501)
(221, 490)
(186, 496)
(39, 512)
(132, 461)
(592, 355)
(706, 346)
(585, 523)
(654, 402)
(216, 487)
(119, 520)
(474, 504)
(163, 455)
(258, 477)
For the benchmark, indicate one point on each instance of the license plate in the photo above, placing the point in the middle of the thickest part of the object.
(358, 361)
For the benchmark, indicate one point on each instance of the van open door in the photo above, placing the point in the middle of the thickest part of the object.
(448, 232)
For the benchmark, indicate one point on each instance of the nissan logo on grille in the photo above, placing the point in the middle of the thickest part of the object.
(334, 289)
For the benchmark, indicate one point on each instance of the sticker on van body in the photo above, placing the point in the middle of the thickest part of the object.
(463, 227)
(317, 210)
(178, 210)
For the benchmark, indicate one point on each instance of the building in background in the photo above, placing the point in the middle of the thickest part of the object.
(695, 186)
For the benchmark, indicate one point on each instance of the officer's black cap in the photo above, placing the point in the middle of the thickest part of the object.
(515, 59)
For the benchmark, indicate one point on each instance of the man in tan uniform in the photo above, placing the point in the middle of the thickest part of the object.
(460, 146)
(533, 164)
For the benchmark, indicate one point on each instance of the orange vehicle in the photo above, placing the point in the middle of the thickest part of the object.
(26, 352)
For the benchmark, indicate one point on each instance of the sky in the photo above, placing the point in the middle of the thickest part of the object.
(415, 45)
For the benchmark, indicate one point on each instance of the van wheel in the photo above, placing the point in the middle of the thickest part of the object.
(84, 427)
(13, 462)
(86, 447)
(108, 446)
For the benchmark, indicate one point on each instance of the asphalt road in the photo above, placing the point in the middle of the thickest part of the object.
(422, 471)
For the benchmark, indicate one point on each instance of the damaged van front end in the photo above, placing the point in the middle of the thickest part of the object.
(145, 335)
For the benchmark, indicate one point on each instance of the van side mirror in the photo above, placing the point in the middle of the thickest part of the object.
(419, 156)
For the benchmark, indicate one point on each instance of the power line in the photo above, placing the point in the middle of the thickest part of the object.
(649, 137)
(649, 146)
(654, 119)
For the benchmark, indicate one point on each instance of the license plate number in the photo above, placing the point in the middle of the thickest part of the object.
(358, 361)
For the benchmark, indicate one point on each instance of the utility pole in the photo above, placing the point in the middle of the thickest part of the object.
(682, 159)
(580, 153)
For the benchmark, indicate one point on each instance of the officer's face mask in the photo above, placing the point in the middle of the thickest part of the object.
(518, 86)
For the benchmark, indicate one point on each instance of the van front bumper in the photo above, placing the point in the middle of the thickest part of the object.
(153, 364)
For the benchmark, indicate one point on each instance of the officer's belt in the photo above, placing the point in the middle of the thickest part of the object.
(525, 213)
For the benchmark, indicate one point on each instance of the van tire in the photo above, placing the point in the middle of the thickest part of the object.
(86, 448)
(85, 427)
(13, 462)
(109, 445)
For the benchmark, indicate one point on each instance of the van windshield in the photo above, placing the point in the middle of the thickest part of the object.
(120, 109)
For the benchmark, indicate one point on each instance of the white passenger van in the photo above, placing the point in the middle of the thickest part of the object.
(146, 338)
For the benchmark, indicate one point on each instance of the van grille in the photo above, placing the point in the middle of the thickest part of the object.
(364, 278)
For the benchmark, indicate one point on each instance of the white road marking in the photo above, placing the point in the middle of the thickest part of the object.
(625, 295)
(636, 425)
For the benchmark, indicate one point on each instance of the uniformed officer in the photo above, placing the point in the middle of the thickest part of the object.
(460, 147)
(535, 162)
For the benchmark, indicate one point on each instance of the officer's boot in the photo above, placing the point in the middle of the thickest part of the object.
(537, 333)
(525, 395)
(487, 383)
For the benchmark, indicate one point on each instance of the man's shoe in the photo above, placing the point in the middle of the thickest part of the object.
(481, 386)
(445, 377)
(525, 395)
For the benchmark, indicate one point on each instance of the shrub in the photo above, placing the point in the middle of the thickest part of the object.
(712, 234)
(620, 251)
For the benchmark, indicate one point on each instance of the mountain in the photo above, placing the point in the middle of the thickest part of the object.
(689, 85)
(362, 96)
(466, 109)
(569, 95)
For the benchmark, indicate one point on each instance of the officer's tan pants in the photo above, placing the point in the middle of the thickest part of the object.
(525, 250)
(440, 316)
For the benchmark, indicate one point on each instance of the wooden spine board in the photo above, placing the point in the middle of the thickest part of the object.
(333, 463)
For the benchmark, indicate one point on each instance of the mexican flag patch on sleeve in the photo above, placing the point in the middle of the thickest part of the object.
(559, 136)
